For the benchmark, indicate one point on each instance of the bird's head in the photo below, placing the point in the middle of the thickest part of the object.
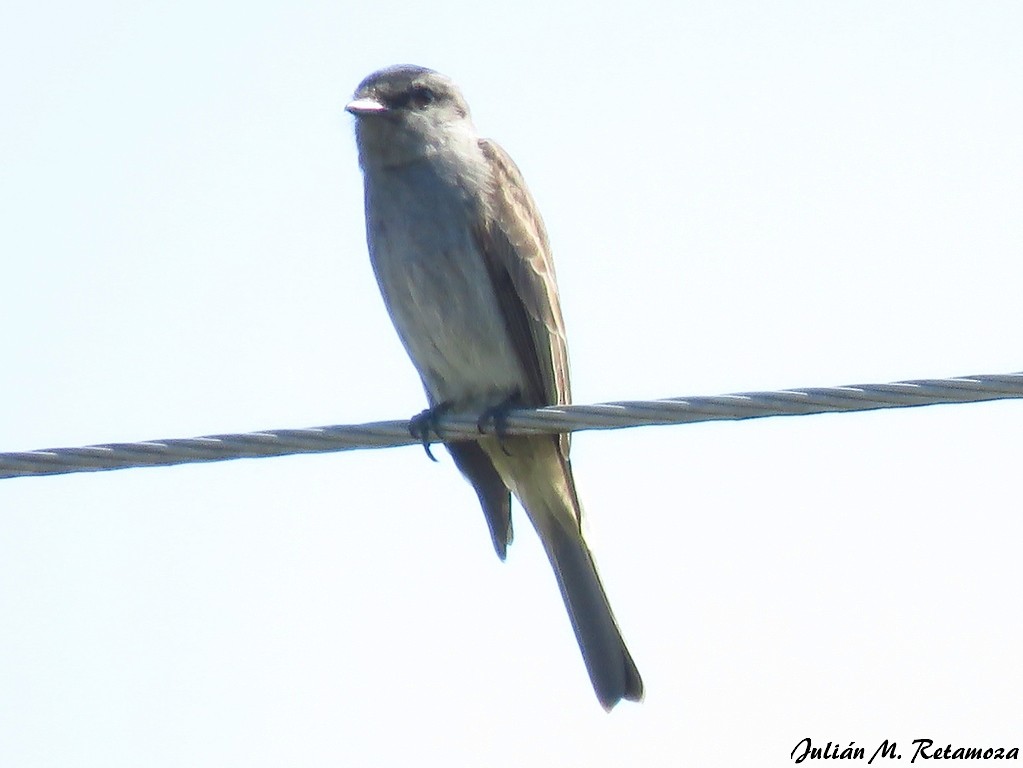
(404, 113)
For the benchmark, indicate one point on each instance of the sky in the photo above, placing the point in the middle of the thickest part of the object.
(740, 196)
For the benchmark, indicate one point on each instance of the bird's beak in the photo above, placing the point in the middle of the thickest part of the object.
(361, 107)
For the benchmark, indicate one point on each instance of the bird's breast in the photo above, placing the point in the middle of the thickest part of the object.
(437, 288)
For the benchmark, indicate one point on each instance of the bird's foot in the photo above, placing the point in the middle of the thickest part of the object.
(422, 425)
(498, 416)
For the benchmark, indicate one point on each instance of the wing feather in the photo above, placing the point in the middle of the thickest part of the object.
(514, 242)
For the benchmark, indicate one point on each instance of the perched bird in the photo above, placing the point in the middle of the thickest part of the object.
(463, 262)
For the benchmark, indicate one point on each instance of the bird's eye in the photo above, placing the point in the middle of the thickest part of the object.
(416, 97)
(421, 96)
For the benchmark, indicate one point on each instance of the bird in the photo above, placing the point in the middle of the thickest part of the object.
(463, 263)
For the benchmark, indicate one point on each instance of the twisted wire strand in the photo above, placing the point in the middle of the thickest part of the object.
(571, 418)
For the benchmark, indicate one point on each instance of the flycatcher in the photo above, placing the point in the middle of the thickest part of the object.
(463, 262)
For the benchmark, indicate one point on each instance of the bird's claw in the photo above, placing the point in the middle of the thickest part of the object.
(424, 424)
(498, 416)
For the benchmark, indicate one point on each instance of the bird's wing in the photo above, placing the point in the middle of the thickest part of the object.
(514, 242)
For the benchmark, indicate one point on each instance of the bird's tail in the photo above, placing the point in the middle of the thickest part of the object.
(612, 670)
(541, 477)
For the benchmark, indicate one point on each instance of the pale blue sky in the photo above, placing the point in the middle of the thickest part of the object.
(740, 196)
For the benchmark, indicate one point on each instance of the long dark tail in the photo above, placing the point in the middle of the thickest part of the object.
(612, 670)
(539, 474)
